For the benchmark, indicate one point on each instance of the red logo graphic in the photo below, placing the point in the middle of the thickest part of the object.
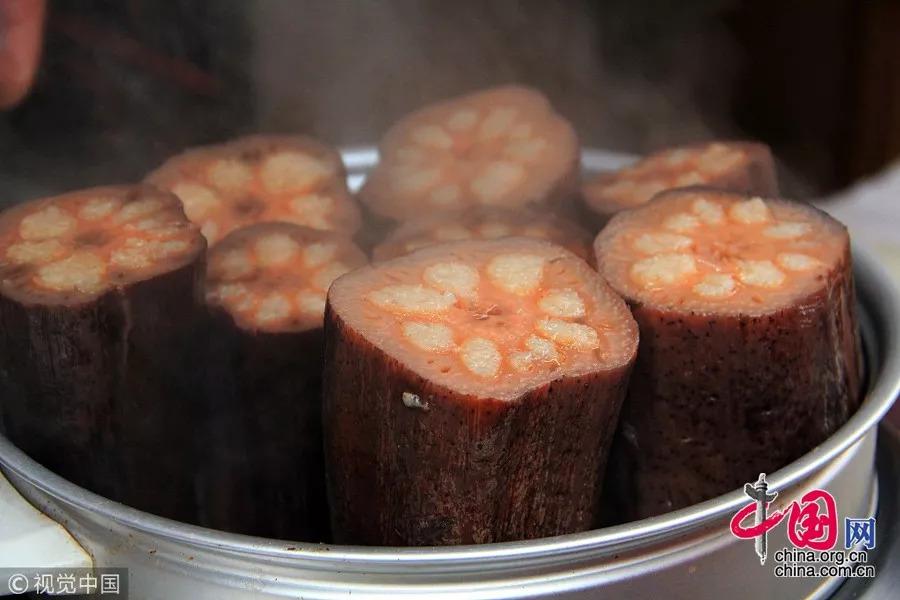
(812, 521)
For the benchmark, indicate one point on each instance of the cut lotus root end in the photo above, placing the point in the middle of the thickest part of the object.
(746, 313)
(483, 224)
(80, 245)
(275, 276)
(503, 147)
(494, 318)
(715, 252)
(735, 166)
(259, 179)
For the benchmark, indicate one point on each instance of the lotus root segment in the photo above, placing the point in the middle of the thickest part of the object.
(735, 166)
(484, 224)
(261, 178)
(265, 288)
(749, 352)
(99, 301)
(503, 147)
(471, 390)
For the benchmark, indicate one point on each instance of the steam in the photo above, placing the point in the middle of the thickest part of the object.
(631, 76)
(345, 71)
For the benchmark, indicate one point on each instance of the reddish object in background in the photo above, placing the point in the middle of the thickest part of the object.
(21, 32)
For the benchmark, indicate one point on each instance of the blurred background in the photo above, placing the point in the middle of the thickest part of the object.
(124, 83)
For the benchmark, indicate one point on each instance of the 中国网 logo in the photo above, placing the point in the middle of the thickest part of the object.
(812, 521)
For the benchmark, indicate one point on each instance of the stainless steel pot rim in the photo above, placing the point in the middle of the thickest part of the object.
(359, 159)
(879, 297)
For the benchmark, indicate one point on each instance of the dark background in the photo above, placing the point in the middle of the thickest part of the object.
(124, 83)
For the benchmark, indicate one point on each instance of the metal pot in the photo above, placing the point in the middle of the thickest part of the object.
(689, 553)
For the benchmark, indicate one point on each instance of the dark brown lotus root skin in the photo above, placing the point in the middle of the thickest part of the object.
(103, 393)
(264, 475)
(459, 469)
(714, 400)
